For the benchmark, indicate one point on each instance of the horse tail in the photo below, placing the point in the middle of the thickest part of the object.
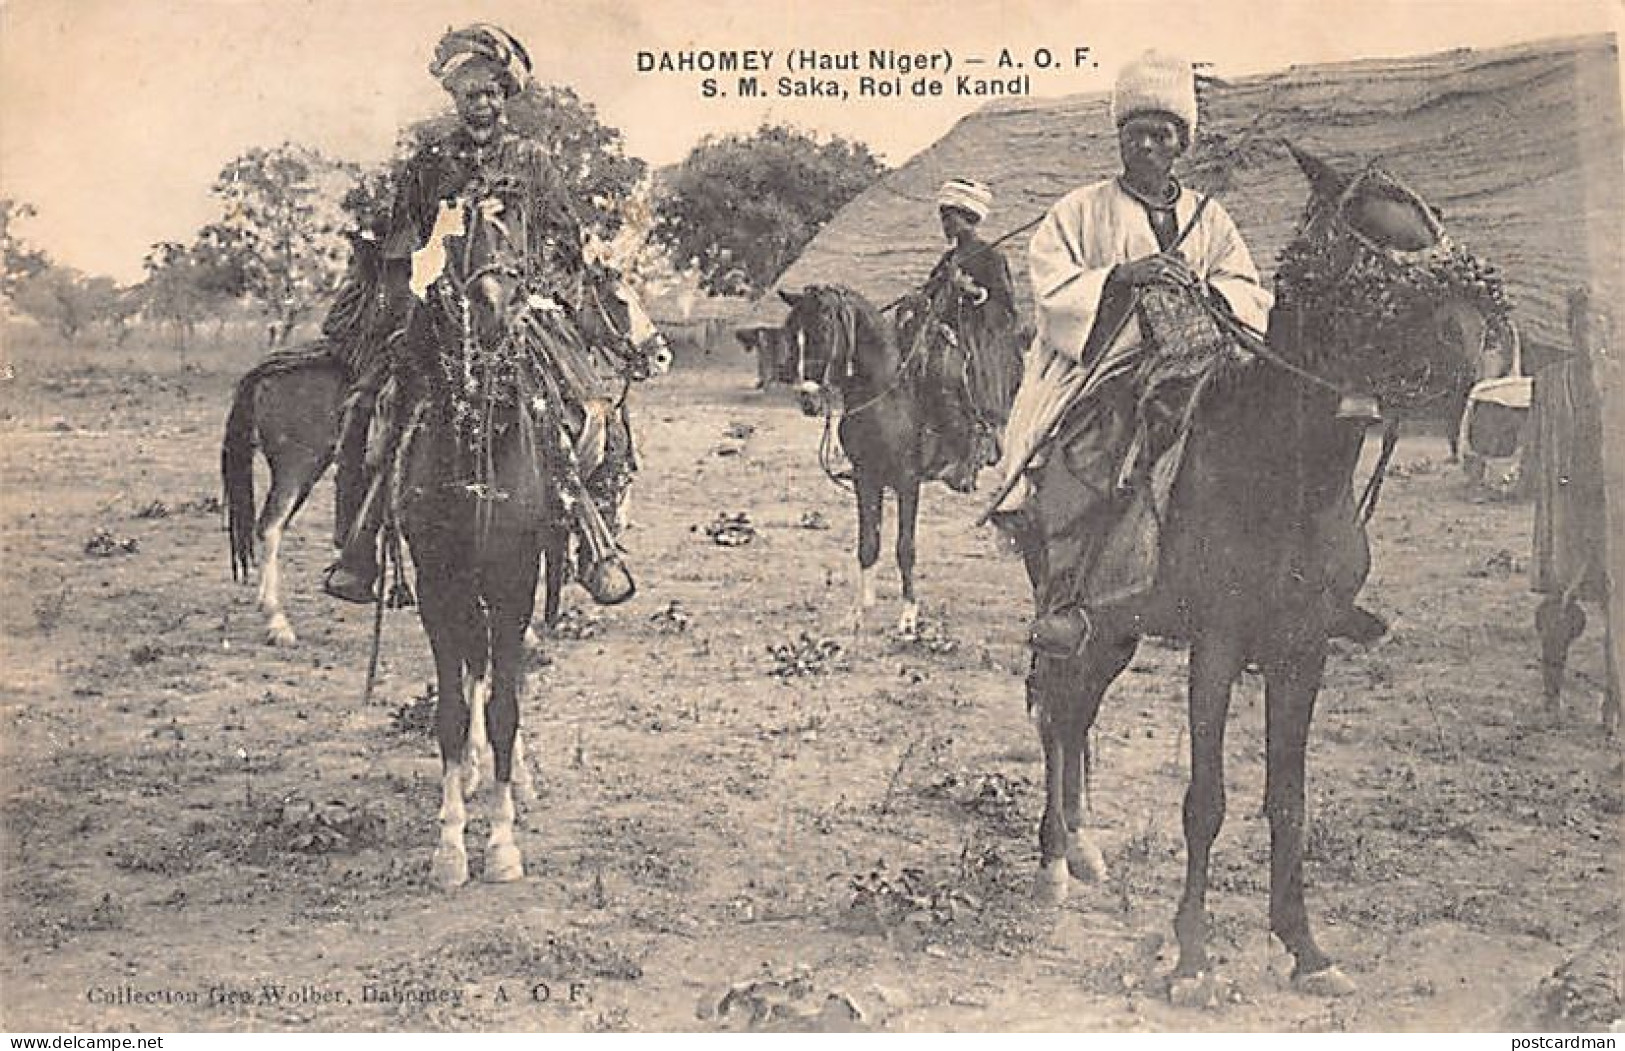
(237, 474)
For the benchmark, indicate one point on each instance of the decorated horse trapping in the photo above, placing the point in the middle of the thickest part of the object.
(1188, 348)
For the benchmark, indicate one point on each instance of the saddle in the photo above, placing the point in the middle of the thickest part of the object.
(1132, 454)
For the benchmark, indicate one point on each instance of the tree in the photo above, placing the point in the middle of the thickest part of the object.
(174, 292)
(70, 302)
(20, 262)
(281, 238)
(741, 209)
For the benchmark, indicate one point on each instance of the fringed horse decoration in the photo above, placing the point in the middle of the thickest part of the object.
(1259, 550)
(487, 477)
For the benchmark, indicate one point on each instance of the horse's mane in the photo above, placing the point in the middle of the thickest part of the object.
(292, 359)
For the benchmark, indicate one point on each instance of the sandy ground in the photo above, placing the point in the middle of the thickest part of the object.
(205, 832)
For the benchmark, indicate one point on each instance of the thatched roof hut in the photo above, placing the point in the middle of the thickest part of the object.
(1520, 146)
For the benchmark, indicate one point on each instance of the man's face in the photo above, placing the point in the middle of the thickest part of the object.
(955, 223)
(479, 96)
(1150, 143)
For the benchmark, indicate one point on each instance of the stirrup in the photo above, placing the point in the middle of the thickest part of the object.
(608, 582)
(343, 582)
(1060, 634)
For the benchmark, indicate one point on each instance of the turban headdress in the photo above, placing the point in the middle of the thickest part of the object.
(482, 41)
(967, 195)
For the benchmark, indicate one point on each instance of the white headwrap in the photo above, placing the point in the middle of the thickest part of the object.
(967, 195)
(1156, 82)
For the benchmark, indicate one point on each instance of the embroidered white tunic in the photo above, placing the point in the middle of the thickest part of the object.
(1085, 234)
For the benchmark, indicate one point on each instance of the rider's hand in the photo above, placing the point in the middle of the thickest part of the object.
(1163, 268)
(968, 287)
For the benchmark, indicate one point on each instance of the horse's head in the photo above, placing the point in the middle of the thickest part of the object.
(1404, 312)
(614, 318)
(477, 258)
(822, 332)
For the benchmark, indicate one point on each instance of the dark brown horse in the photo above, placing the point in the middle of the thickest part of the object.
(480, 483)
(847, 362)
(289, 408)
(1259, 554)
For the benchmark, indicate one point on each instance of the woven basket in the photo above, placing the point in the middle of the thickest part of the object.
(1178, 325)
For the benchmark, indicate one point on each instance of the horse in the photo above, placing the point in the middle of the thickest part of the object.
(1570, 558)
(290, 409)
(478, 483)
(847, 354)
(1259, 548)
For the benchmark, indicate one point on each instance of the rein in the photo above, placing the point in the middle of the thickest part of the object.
(847, 340)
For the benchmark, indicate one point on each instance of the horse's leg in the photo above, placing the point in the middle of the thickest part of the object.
(292, 476)
(1064, 696)
(1291, 685)
(908, 513)
(1214, 662)
(510, 592)
(1104, 663)
(870, 496)
(1559, 621)
(556, 552)
(452, 620)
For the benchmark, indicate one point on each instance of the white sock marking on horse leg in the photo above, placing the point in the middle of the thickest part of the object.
(1051, 884)
(278, 632)
(1084, 859)
(477, 752)
(523, 783)
(908, 623)
(450, 867)
(503, 863)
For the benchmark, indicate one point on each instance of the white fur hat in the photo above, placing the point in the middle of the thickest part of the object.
(1156, 82)
(967, 195)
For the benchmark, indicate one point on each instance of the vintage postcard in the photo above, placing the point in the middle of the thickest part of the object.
(612, 516)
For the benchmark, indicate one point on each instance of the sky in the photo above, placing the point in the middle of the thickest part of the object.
(116, 115)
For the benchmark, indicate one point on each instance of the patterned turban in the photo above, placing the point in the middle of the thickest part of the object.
(967, 195)
(486, 42)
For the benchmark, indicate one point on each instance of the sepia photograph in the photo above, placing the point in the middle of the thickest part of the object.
(606, 516)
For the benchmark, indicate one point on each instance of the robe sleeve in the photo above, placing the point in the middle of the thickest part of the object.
(1067, 280)
(1231, 273)
(991, 270)
(408, 220)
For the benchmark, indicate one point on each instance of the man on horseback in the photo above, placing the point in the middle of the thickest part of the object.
(968, 305)
(481, 67)
(1141, 285)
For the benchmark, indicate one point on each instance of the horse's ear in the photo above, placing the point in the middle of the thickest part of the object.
(1323, 178)
(792, 298)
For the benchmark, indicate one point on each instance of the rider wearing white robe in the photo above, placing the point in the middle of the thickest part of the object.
(1084, 237)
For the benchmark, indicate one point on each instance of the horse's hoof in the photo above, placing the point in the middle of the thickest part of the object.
(1327, 982)
(909, 622)
(1203, 990)
(1051, 884)
(504, 864)
(450, 869)
(1084, 860)
(280, 635)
